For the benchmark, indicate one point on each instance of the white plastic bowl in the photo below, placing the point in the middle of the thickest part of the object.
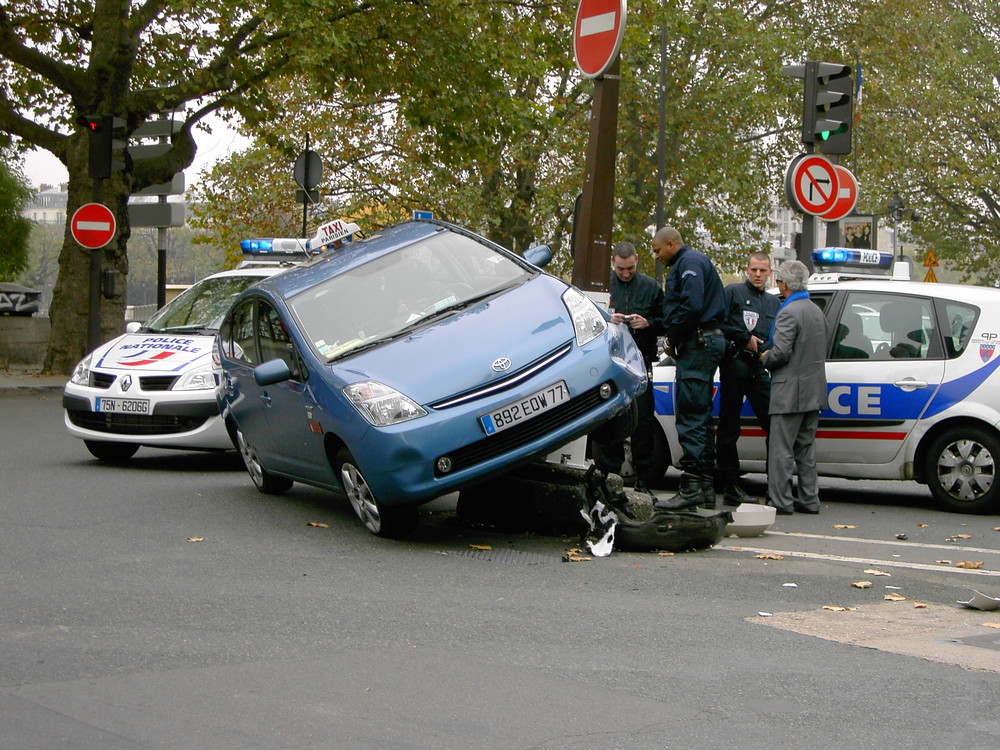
(751, 520)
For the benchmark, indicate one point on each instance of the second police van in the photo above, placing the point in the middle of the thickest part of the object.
(913, 390)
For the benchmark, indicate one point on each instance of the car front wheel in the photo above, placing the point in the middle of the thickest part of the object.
(112, 453)
(961, 470)
(379, 520)
(264, 480)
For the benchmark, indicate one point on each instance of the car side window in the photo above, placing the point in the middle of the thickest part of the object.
(236, 335)
(275, 343)
(876, 325)
(959, 321)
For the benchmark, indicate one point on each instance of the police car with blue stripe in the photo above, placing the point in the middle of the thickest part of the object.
(155, 384)
(911, 371)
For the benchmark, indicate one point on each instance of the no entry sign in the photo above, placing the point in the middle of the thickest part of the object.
(847, 195)
(597, 35)
(93, 225)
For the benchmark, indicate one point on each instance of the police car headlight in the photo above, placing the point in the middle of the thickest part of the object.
(382, 405)
(81, 373)
(587, 319)
(201, 379)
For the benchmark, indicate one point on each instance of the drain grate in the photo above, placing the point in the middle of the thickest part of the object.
(508, 556)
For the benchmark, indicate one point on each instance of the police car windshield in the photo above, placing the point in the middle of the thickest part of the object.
(200, 307)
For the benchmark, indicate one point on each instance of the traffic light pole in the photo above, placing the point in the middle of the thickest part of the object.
(96, 266)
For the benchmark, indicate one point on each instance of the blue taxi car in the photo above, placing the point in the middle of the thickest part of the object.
(912, 378)
(412, 363)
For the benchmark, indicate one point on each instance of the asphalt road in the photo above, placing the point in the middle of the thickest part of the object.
(167, 604)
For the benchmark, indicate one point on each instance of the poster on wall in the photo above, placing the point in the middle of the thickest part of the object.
(859, 231)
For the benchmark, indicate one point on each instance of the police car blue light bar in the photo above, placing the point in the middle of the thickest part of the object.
(849, 257)
(273, 246)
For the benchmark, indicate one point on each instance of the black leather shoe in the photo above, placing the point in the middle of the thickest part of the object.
(799, 508)
(733, 494)
(780, 511)
(689, 495)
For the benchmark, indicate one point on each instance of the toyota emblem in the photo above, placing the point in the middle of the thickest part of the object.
(501, 365)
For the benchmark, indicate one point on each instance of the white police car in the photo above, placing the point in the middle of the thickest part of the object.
(155, 385)
(913, 389)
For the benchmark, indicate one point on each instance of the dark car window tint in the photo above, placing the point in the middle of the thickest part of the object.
(960, 319)
(895, 326)
(240, 343)
(273, 337)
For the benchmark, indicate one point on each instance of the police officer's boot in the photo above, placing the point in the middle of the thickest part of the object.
(689, 496)
(707, 492)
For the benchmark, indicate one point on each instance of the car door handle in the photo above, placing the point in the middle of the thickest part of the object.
(910, 384)
(265, 398)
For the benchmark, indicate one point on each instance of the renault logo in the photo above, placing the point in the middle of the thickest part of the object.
(501, 365)
(126, 383)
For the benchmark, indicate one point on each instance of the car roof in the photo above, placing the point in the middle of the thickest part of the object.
(967, 293)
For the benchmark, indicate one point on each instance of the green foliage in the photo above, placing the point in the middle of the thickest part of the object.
(14, 228)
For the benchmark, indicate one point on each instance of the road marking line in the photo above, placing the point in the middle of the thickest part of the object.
(891, 542)
(865, 561)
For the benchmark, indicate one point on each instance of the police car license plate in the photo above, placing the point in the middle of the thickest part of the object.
(122, 405)
(518, 411)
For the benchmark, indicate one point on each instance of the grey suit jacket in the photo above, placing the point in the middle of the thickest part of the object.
(797, 359)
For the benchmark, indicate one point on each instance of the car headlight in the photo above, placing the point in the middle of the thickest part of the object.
(587, 319)
(382, 405)
(81, 373)
(200, 379)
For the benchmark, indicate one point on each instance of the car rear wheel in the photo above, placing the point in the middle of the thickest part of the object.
(113, 453)
(379, 520)
(264, 480)
(961, 470)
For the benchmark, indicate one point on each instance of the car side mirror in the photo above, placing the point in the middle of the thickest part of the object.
(271, 372)
(539, 255)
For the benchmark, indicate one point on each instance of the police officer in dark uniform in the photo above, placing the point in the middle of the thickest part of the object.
(750, 312)
(636, 301)
(693, 311)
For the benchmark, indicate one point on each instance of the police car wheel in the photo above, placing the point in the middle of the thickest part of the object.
(961, 470)
(111, 452)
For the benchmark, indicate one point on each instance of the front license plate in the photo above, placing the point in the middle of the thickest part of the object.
(122, 405)
(525, 408)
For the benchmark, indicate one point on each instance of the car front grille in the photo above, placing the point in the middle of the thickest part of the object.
(157, 382)
(507, 440)
(101, 379)
(134, 424)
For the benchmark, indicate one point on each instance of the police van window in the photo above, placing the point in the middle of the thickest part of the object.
(883, 326)
(960, 320)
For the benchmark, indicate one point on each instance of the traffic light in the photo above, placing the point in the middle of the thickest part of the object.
(103, 144)
(827, 104)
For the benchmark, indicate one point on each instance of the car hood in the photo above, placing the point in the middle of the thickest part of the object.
(153, 353)
(457, 353)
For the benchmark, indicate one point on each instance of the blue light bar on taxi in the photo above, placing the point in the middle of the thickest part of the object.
(849, 257)
(273, 246)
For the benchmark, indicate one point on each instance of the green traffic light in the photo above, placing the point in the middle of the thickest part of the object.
(825, 135)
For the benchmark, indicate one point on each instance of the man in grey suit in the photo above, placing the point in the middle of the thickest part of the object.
(796, 358)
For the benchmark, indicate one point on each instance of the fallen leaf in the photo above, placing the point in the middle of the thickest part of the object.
(919, 605)
(873, 572)
(969, 565)
(769, 556)
(196, 539)
(666, 554)
(996, 528)
(894, 598)
(862, 584)
(837, 608)
(958, 536)
(575, 558)
(991, 624)
(318, 525)
(480, 546)
(844, 526)
(922, 525)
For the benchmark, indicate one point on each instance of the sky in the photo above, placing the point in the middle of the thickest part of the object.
(42, 167)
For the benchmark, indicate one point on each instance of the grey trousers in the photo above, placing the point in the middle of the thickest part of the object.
(792, 448)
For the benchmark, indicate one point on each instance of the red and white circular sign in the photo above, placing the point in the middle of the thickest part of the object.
(597, 35)
(812, 184)
(93, 225)
(847, 195)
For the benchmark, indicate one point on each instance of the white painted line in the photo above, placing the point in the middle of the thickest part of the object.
(97, 226)
(598, 24)
(888, 542)
(865, 561)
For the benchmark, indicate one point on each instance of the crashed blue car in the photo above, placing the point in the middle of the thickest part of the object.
(414, 362)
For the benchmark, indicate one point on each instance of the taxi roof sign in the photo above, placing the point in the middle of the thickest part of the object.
(332, 233)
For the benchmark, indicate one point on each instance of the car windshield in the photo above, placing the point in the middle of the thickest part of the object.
(200, 307)
(394, 293)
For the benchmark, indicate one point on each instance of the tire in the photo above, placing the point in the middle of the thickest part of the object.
(112, 453)
(618, 427)
(379, 520)
(961, 470)
(264, 480)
